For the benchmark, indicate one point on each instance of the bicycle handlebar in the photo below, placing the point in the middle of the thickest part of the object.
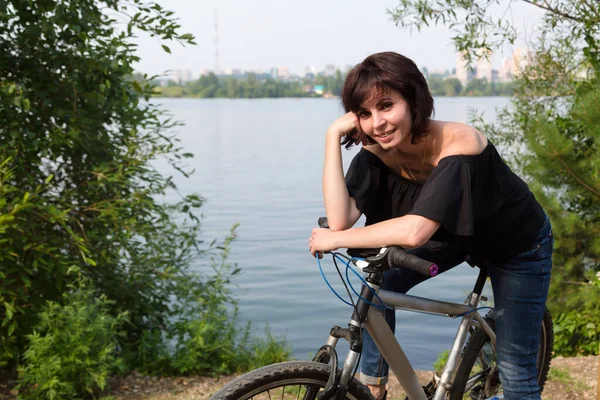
(323, 222)
(398, 257)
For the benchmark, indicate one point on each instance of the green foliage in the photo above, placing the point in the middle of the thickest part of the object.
(450, 87)
(73, 347)
(563, 377)
(551, 135)
(265, 350)
(441, 361)
(79, 190)
(211, 86)
(576, 334)
(215, 345)
(78, 144)
(207, 337)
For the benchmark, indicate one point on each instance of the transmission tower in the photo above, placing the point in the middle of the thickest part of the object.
(216, 42)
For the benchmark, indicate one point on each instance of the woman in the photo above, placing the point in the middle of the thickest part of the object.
(441, 189)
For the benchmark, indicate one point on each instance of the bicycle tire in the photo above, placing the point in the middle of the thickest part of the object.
(297, 373)
(475, 346)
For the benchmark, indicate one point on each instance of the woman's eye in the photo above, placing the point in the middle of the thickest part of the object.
(386, 105)
(362, 114)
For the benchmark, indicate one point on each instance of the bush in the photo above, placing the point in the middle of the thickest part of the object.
(441, 361)
(209, 340)
(79, 188)
(73, 348)
(576, 334)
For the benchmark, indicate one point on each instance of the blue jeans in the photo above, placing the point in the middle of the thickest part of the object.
(520, 286)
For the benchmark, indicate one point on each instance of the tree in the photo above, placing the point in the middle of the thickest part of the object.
(436, 85)
(452, 87)
(338, 83)
(479, 87)
(78, 191)
(209, 85)
(82, 210)
(551, 131)
(232, 87)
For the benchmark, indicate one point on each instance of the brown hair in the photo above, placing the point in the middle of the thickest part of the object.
(384, 72)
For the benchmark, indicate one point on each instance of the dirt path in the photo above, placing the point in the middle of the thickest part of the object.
(570, 378)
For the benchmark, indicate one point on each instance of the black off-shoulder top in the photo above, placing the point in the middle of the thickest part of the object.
(482, 206)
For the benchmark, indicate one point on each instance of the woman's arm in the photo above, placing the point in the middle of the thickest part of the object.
(408, 231)
(339, 206)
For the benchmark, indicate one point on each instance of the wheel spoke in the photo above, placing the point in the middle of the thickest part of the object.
(311, 393)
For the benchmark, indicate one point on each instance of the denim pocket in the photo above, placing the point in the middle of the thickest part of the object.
(542, 246)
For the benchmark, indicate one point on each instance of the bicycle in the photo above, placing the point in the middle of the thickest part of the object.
(470, 371)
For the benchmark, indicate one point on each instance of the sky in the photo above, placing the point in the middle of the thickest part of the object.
(260, 34)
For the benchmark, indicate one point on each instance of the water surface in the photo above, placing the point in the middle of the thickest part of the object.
(259, 163)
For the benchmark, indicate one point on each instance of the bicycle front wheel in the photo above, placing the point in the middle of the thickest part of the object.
(286, 381)
(477, 375)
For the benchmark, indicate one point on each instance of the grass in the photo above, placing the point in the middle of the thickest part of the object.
(562, 376)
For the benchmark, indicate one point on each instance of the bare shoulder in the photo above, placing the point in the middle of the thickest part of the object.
(459, 138)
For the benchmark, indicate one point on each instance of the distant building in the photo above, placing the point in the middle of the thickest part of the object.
(438, 71)
(318, 89)
(484, 65)
(310, 70)
(162, 81)
(274, 73)
(464, 72)
(182, 76)
(232, 72)
(329, 70)
(522, 58)
(505, 73)
(283, 72)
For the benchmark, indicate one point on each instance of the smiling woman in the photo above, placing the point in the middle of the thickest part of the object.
(374, 81)
(441, 189)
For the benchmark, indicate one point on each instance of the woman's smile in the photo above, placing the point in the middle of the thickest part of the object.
(386, 136)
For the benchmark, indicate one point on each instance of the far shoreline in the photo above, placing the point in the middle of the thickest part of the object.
(307, 97)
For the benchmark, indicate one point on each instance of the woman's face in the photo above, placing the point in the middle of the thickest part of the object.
(386, 118)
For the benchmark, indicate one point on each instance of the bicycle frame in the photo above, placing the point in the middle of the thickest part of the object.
(391, 349)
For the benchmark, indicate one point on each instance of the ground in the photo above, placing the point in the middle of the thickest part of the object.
(570, 378)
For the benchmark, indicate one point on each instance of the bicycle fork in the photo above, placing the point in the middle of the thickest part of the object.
(337, 384)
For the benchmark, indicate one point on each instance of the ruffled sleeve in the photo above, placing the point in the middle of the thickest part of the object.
(361, 180)
(447, 198)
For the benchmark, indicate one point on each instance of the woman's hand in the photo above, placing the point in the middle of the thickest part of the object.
(322, 240)
(348, 124)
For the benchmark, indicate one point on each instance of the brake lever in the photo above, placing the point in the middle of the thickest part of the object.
(375, 262)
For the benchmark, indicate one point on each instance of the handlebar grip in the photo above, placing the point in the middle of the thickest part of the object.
(323, 222)
(398, 257)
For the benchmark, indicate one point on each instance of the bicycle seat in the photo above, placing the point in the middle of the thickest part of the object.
(474, 262)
